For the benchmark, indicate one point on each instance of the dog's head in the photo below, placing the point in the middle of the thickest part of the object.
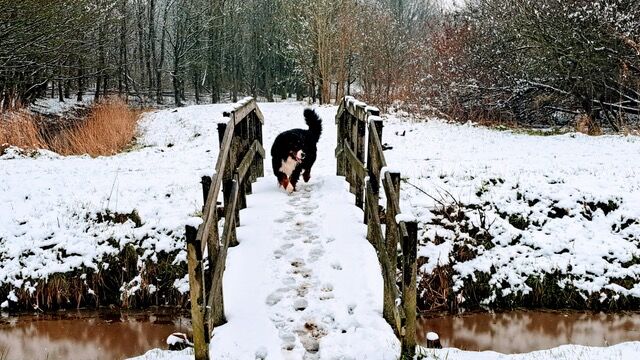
(298, 156)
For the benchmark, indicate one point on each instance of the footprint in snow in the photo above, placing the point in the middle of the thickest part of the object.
(286, 246)
(273, 298)
(300, 304)
(351, 308)
(315, 254)
(261, 353)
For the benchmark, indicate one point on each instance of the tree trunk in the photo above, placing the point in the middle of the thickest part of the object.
(80, 81)
(96, 96)
(60, 91)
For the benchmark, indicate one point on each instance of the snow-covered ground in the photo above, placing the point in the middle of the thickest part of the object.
(624, 351)
(53, 106)
(566, 206)
(304, 277)
(50, 204)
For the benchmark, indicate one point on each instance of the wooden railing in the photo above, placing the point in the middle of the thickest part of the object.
(240, 163)
(357, 123)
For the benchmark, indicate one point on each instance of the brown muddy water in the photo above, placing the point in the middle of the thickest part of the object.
(86, 335)
(524, 331)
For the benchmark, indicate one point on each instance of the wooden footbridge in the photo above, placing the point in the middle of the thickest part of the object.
(240, 163)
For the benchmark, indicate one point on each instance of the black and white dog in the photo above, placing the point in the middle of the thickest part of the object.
(294, 151)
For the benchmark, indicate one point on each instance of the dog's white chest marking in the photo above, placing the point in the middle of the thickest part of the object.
(288, 166)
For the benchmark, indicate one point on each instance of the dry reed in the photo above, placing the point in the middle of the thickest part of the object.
(108, 128)
(20, 129)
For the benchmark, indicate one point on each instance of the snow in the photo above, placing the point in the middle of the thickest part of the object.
(53, 106)
(507, 174)
(623, 351)
(431, 336)
(178, 338)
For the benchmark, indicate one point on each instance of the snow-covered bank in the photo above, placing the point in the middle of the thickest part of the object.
(624, 351)
(551, 221)
(69, 214)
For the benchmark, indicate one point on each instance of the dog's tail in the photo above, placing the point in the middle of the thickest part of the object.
(313, 122)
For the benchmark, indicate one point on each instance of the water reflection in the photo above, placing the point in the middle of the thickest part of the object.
(81, 335)
(525, 331)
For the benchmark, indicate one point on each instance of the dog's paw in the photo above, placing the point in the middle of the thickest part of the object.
(290, 189)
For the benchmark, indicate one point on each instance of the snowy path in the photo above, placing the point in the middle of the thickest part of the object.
(304, 283)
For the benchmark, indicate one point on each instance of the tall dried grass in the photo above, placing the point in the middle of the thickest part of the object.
(108, 128)
(20, 129)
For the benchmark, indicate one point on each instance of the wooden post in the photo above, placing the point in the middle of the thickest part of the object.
(222, 128)
(392, 232)
(379, 125)
(340, 139)
(234, 237)
(409, 291)
(361, 131)
(261, 161)
(246, 144)
(376, 238)
(196, 293)
(353, 138)
(252, 138)
(206, 185)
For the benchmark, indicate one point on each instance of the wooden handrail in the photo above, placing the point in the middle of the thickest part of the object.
(357, 123)
(240, 161)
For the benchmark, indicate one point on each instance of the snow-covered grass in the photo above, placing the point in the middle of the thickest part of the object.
(511, 219)
(68, 215)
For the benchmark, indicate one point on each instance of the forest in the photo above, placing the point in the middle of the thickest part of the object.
(526, 62)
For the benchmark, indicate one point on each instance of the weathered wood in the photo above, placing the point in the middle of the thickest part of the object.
(392, 231)
(206, 186)
(222, 129)
(194, 264)
(354, 163)
(409, 291)
(377, 123)
(218, 263)
(259, 116)
(390, 310)
(356, 108)
(241, 112)
(359, 151)
(395, 204)
(248, 160)
(240, 148)
(209, 212)
(259, 138)
(352, 121)
(376, 150)
(341, 121)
